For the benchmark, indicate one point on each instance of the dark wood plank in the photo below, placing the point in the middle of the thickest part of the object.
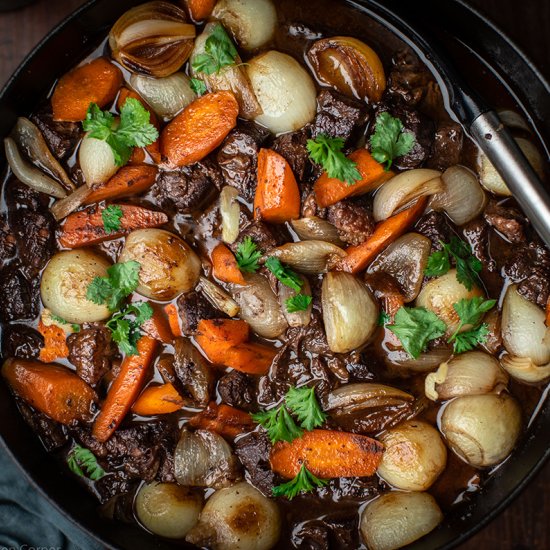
(524, 524)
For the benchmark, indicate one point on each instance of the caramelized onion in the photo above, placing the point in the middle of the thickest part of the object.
(153, 39)
(350, 66)
(192, 371)
(524, 370)
(298, 318)
(219, 298)
(309, 257)
(96, 160)
(230, 212)
(316, 229)
(63, 207)
(400, 360)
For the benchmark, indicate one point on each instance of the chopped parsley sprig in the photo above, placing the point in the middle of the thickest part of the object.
(83, 463)
(327, 152)
(304, 482)
(248, 256)
(284, 274)
(471, 312)
(299, 302)
(125, 326)
(198, 86)
(219, 52)
(112, 216)
(389, 141)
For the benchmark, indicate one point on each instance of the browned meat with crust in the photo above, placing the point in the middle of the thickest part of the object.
(355, 223)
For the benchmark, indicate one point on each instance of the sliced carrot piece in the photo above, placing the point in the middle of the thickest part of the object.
(55, 343)
(250, 358)
(360, 256)
(277, 198)
(158, 326)
(225, 266)
(163, 399)
(199, 10)
(86, 227)
(54, 390)
(127, 182)
(96, 82)
(327, 454)
(125, 389)
(329, 191)
(216, 336)
(199, 129)
(174, 319)
(222, 419)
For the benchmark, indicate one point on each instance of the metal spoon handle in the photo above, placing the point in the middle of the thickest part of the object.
(510, 162)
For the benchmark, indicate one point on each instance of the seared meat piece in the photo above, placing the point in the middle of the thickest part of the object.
(139, 450)
(437, 227)
(7, 240)
(238, 158)
(61, 137)
(312, 535)
(21, 341)
(263, 235)
(253, 451)
(116, 491)
(354, 222)
(292, 147)
(192, 307)
(507, 220)
(190, 188)
(51, 433)
(91, 351)
(408, 80)
(338, 116)
(20, 293)
(447, 146)
(310, 207)
(237, 390)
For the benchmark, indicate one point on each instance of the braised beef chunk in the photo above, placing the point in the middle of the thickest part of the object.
(355, 223)
(61, 137)
(336, 530)
(20, 294)
(338, 116)
(238, 158)
(408, 80)
(237, 390)
(51, 433)
(253, 451)
(293, 147)
(477, 233)
(190, 188)
(139, 450)
(193, 372)
(447, 146)
(266, 237)
(437, 227)
(112, 490)
(507, 220)
(313, 535)
(7, 239)
(91, 351)
(21, 341)
(192, 307)
(310, 207)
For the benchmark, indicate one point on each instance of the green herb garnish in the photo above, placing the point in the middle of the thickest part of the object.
(471, 312)
(304, 405)
(219, 51)
(304, 482)
(125, 326)
(278, 423)
(389, 141)
(122, 279)
(61, 321)
(83, 463)
(327, 152)
(415, 327)
(198, 86)
(383, 319)
(300, 302)
(133, 130)
(112, 216)
(284, 274)
(248, 256)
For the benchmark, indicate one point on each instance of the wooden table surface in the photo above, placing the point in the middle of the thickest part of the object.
(524, 525)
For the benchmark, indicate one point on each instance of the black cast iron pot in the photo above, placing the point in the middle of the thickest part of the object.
(482, 54)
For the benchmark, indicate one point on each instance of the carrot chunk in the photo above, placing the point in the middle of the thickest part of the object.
(55, 343)
(277, 197)
(163, 399)
(199, 10)
(199, 129)
(225, 266)
(158, 326)
(174, 319)
(327, 454)
(329, 191)
(54, 390)
(216, 336)
(86, 227)
(96, 82)
(223, 419)
(250, 358)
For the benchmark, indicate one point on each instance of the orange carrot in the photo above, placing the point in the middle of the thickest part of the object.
(127, 182)
(329, 191)
(222, 419)
(277, 197)
(158, 326)
(138, 156)
(327, 454)
(86, 227)
(55, 343)
(360, 256)
(174, 319)
(199, 129)
(250, 358)
(125, 389)
(96, 82)
(54, 390)
(163, 399)
(216, 336)
(225, 266)
(199, 10)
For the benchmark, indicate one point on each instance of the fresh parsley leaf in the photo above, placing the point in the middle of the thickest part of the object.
(122, 279)
(389, 141)
(111, 217)
(248, 256)
(61, 321)
(304, 482)
(300, 302)
(278, 423)
(82, 462)
(383, 319)
(439, 263)
(125, 326)
(304, 405)
(133, 130)
(470, 312)
(327, 152)
(415, 327)
(467, 341)
(219, 51)
(198, 86)
(284, 274)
